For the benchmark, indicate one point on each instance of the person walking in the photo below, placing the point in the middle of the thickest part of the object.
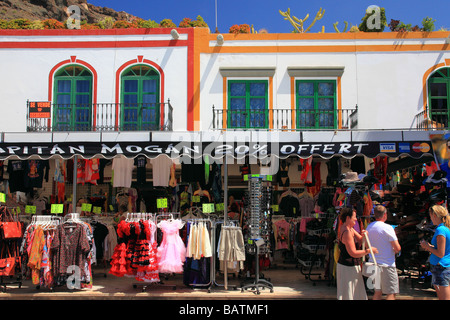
(440, 251)
(383, 236)
(349, 280)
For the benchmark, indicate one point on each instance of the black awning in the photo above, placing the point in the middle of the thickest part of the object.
(216, 150)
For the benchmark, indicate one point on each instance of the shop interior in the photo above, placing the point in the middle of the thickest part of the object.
(174, 223)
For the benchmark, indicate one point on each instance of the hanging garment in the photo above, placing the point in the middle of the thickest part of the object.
(231, 248)
(35, 254)
(172, 251)
(380, 168)
(16, 171)
(123, 172)
(199, 243)
(161, 170)
(70, 247)
(35, 173)
(145, 259)
(281, 234)
(306, 175)
(141, 172)
(198, 252)
(283, 174)
(60, 179)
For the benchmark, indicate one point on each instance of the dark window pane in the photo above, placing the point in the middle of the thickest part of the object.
(130, 86)
(438, 89)
(257, 89)
(83, 86)
(64, 86)
(306, 89)
(237, 89)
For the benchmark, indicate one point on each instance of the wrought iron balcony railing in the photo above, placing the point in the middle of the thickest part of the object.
(432, 119)
(285, 119)
(103, 117)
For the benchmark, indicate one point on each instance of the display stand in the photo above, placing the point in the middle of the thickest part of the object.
(11, 248)
(258, 212)
(258, 283)
(313, 248)
(213, 264)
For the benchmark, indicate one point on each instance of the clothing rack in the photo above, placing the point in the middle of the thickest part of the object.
(212, 265)
(91, 220)
(156, 218)
(229, 224)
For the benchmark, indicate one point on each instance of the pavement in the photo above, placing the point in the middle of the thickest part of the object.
(289, 283)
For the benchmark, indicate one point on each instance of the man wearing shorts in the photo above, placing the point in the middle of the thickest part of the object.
(383, 237)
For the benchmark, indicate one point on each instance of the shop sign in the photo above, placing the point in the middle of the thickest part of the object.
(187, 151)
(57, 208)
(39, 109)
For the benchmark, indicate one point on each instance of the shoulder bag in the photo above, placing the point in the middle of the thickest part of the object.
(369, 268)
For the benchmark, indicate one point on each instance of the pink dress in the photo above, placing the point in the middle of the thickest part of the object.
(172, 251)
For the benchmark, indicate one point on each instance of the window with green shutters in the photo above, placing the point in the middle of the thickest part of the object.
(140, 107)
(316, 104)
(247, 104)
(439, 96)
(72, 108)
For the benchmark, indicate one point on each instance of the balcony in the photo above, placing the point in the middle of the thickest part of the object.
(432, 119)
(285, 119)
(103, 117)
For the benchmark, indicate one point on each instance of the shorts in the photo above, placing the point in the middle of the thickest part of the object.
(440, 275)
(387, 280)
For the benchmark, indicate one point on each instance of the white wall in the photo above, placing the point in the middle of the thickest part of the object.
(386, 86)
(25, 76)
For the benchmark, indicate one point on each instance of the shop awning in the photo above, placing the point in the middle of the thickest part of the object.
(236, 144)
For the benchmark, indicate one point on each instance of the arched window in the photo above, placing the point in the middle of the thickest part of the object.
(140, 98)
(72, 99)
(439, 96)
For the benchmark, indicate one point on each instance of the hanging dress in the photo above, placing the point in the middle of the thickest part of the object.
(146, 261)
(172, 251)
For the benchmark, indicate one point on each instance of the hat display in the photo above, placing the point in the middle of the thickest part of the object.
(370, 180)
(351, 177)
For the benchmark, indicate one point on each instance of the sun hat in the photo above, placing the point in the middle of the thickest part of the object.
(351, 177)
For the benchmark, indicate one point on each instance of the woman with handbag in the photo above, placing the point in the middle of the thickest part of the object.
(350, 285)
(440, 251)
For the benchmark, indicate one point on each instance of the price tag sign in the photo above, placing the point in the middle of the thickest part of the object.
(111, 208)
(161, 203)
(97, 210)
(2, 197)
(86, 207)
(208, 207)
(275, 208)
(57, 208)
(220, 207)
(196, 199)
(30, 209)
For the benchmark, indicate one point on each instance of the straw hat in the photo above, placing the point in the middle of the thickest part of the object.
(351, 177)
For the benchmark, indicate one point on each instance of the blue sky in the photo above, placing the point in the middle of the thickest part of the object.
(265, 13)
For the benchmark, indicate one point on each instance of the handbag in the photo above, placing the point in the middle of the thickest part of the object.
(369, 268)
(8, 265)
(10, 229)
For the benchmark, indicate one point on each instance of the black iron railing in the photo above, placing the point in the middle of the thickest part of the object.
(432, 119)
(104, 117)
(285, 119)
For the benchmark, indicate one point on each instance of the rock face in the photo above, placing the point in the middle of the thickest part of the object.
(57, 9)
